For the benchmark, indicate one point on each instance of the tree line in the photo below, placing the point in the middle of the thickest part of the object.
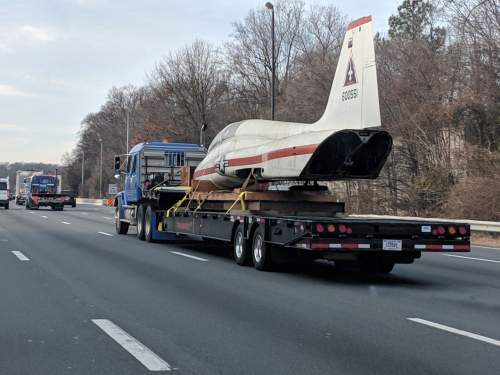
(439, 77)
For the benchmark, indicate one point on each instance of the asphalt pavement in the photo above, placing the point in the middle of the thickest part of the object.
(76, 298)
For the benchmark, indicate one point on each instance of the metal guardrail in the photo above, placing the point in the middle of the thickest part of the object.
(475, 225)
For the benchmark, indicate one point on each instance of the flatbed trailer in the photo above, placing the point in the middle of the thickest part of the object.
(269, 226)
(54, 201)
(263, 227)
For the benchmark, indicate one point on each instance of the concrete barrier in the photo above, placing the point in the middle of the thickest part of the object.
(94, 202)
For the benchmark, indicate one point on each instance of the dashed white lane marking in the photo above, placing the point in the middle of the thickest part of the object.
(189, 256)
(108, 218)
(105, 234)
(487, 247)
(20, 255)
(143, 354)
(65, 222)
(456, 331)
(84, 213)
(3, 240)
(31, 212)
(471, 258)
(45, 217)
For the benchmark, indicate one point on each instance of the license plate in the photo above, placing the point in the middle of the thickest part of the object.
(393, 245)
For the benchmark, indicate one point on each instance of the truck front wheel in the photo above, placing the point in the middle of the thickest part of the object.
(121, 227)
(240, 247)
(261, 252)
(140, 222)
(148, 224)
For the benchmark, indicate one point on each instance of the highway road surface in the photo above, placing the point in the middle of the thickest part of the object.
(78, 299)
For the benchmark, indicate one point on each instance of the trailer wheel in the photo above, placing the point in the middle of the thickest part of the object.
(140, 222)
(261, 252)
(241, 249)
(148, 224)
(120, 226)
(376, 266)
(385, 267)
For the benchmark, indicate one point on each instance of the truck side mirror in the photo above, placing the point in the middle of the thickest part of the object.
(117, 167)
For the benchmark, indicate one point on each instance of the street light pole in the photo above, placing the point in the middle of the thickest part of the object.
(100, 173)
(270, 6)
(128, 124)
(83, 163)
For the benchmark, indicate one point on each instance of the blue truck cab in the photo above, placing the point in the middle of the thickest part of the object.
(152, 183)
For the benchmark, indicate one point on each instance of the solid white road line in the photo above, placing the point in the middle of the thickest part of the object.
(487, 247)
(105, 234)
(20, 255)
(65, 222)
(472, 258)
(148, 358)
(456, 331)
(189, 256)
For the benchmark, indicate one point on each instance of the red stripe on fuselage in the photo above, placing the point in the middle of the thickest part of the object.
(359, 22)
(250, 160)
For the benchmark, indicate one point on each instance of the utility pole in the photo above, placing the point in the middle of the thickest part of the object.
(128, 124)
(270, 6)
(100, 172)
(83, 163)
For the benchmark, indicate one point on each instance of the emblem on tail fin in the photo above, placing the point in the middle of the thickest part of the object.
(350, 75)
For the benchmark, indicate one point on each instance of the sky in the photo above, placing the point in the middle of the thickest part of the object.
(59, 58)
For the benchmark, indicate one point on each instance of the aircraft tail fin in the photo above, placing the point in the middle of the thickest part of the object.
(353, 101)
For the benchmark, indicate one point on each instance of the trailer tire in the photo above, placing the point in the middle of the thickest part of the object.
(241, 248)
(140, 222)
(120, 226)
(376, 266)
(261, 252)
(148, 224)
(385, 267)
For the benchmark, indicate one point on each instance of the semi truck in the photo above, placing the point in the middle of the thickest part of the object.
(21, 180)
(301, 223)
(44, 191)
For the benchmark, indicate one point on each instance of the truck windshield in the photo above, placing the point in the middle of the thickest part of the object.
(3, 185)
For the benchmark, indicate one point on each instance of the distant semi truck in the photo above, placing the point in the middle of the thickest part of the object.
(44, 191)
(22, 178)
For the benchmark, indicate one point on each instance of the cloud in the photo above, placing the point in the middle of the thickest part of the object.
(37, 33)
(8, 129)
(8, 90)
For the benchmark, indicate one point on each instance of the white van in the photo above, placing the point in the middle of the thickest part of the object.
(4, 192)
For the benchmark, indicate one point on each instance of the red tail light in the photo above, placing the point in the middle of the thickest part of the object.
(441, 230)
(349, 230)
(320, 228)
(452, 230)
(342, 228)
(331, 228)
(462, 231)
